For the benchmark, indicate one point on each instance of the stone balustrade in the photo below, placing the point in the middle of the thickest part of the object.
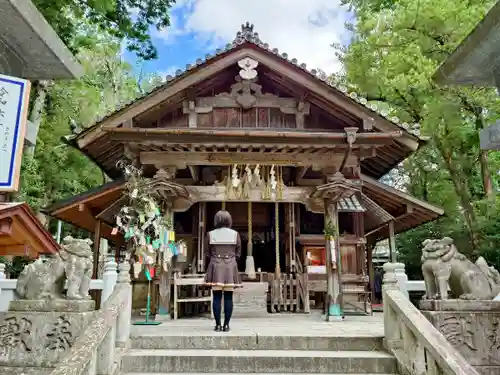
(418, 346)
(97, 349)
(106, 285)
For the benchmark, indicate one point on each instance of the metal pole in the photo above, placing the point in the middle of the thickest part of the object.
(59, 230)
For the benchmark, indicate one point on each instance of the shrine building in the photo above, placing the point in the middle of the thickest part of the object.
(288, 153)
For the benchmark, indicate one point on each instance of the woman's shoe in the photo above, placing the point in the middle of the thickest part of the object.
(225, 328)
(218, 328)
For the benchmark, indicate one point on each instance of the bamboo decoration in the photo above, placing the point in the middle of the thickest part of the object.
(223, 206)
(250, 263)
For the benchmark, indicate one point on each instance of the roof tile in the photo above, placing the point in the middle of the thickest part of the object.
(248, 35)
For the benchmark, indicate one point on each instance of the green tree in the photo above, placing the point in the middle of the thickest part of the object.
(57, 171)
(127, 20)
(396, 48)
(85, 24)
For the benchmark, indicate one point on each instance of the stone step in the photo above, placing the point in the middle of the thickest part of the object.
(257, 361)
(235, 373)
(255, 342)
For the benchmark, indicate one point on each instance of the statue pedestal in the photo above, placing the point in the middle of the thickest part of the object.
(36, 334)
(472, 327)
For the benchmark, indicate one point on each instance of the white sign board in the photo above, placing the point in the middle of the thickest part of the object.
(14, 101)
(489, 138)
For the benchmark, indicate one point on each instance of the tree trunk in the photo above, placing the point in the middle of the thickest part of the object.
(462, 190)
(486, 175)
(483, 160)
(36, 112)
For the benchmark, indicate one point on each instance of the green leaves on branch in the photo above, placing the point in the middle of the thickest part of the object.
(128, 20)
(396, 48)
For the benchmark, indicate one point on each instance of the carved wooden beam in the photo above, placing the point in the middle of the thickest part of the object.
(239, 136)
(182, 160)
(350, 138)
(336, 188)
(191, 109)
(217, 193)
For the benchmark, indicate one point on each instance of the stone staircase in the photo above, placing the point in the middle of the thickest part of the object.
(160, 352)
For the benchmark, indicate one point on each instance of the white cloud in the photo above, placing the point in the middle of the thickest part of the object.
(303, 29)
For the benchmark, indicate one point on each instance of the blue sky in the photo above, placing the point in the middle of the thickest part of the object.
(304, 30)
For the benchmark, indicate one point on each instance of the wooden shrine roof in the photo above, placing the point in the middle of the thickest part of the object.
(104, 147)
(22, 234)
(408, 211)
(83, 210)
(380, 203)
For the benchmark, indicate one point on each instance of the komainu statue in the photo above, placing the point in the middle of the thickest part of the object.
(42, 279)
(78, 261)
(45, 278)
(444, 266)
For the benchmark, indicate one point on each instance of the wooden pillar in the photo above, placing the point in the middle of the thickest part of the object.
(202, 217)
(333, 266)
(118, 245)
(369, 266)
(288, 242)
(160, 304)
(392, 242)
(97, 245)
(277, 269)
(96, 294)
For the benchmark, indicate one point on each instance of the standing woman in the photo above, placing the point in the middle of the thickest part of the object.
(222, 251)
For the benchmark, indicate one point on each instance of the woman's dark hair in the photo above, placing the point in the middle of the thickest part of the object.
(223, 220)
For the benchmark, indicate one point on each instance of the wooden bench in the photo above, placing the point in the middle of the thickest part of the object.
(352, 286)
(199, 292)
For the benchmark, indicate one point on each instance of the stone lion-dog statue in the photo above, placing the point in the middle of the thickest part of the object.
(46, 278)
(444, 266)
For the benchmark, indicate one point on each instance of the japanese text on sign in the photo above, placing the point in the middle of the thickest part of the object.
(14, 97)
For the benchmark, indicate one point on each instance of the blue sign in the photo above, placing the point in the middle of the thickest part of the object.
(14, 101)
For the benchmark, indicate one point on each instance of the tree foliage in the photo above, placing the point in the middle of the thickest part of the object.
(127, 20)
(396, 48)
(58, 171)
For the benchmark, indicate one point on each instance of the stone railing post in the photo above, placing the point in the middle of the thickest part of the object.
(402, 278)
(109, 279)
(390, 280)
(125, 315)
(2, 272)
(7, 289)
(105, 358)
(391, 325)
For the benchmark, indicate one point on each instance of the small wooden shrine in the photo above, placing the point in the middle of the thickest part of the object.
(294, 159)
(22, 234)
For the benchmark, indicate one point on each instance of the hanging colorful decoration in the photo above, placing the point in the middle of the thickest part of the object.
(331, 234)
(242, 180)
(141, 221)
